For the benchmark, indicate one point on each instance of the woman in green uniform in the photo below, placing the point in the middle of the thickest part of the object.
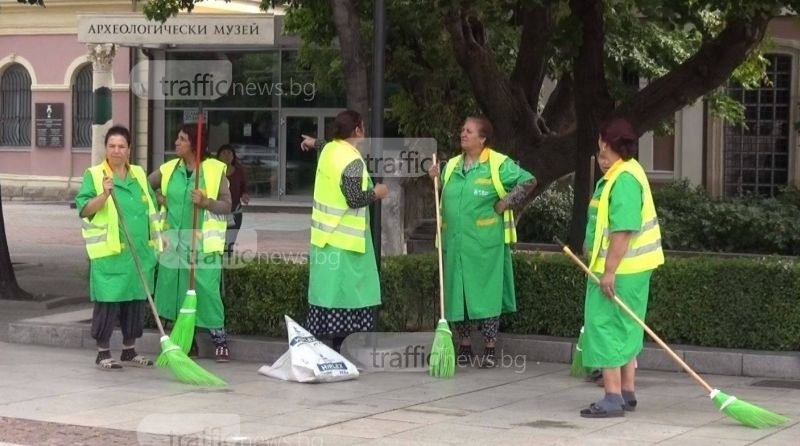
(479, 187)
(114, 284)
(343, 290)
(623, 243)
(175, 180)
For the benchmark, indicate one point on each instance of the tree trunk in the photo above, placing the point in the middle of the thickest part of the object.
(592, 104)
(9, 289)
(348, 30)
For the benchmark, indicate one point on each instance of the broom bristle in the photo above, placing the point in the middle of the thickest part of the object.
(576, 369)
(183, 332)
(443, 356)
(746, 413)
(186, 370)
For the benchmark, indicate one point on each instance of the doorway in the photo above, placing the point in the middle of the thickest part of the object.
(300, 167)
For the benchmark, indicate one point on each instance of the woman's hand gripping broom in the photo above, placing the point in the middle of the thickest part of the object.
(186, 370)
(183, 332)
(748, 414)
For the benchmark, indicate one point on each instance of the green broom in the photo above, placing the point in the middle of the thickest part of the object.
(443, 357)
(186, 370)
(183, 332)
(745, 413)
(577, 369)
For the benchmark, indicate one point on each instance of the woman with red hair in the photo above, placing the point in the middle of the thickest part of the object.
(623, 243)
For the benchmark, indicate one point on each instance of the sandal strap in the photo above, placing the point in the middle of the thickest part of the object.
(143, 360)
(109, 363)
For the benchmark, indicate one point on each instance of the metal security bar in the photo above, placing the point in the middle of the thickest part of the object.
(15, 107)
(756, 155)
(82, 108)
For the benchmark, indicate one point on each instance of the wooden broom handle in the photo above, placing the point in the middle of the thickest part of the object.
(196, 207)
(633, 315)
(136, 262)
(439, 240)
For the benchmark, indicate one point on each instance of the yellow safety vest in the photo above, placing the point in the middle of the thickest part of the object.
(644, 250)
(332, 221)
(496, 159)
(101, 233)
(213, 226)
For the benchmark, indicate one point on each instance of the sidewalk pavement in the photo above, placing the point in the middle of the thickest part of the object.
(51, 395)
(508, 406)
(50, 259)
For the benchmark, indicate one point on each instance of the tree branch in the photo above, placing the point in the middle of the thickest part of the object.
(559, 112)
(494, 93)
(538, 21)
(709, 68)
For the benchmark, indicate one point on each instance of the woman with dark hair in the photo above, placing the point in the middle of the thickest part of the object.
(114, 284)
(479, 188)
(623, 243)
(238, 184)
(175, 180)
(343, 289)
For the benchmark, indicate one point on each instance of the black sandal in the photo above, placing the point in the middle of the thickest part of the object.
(488, 360)
(595, 411)
(630, 406)
(465, 355)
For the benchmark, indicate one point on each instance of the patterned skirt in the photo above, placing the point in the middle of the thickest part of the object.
(340, 322)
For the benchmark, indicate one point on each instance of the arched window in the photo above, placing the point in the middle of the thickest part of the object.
(82, 107)
(15, 107)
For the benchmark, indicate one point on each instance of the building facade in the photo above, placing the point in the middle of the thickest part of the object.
(80, 47)
(54, 60)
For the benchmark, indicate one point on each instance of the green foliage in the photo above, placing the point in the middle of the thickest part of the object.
(729, 303)
(690, 220)
(733, 303)
(547, 216)
(429, 95)
(161, 10)
(258, 295)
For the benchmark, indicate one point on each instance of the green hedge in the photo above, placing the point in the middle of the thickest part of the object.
(730, 303)
(690, 220)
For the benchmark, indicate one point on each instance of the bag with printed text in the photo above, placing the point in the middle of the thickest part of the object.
(309, 360)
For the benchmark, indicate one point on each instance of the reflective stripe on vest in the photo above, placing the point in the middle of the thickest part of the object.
(213, 226)
(101, 234)
(644, 251)
(496, 159)
(332, 221)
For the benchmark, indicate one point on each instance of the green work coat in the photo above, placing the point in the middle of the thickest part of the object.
(173, 269)
(479, 277)
(611, 338)
(114, 278)
(339, 278)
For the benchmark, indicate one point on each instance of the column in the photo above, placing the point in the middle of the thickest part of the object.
(102, 56)
(689, 143)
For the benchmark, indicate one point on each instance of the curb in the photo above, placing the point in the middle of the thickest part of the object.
(717, 361)
(47, 304)
(72, 330)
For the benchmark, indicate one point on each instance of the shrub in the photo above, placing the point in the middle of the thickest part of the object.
(548, 215)
(731, 303)
(690, 220)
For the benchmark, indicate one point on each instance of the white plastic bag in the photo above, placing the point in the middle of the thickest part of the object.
(309, 360)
